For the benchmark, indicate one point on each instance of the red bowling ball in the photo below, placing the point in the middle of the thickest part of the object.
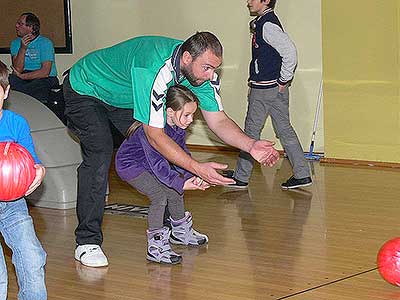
(389, 261)
(17, 171)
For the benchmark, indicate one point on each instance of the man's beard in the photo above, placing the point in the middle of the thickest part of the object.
(187, 72)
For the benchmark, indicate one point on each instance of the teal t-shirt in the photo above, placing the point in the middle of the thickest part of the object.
(39, 50)
(136, 74)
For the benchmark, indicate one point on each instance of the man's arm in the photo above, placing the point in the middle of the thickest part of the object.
(227, 130)
(230, 133)
(160, 166)
(18, 60)
(176, 155)
(43, 72)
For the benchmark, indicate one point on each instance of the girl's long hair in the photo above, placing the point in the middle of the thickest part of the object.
(176, 98)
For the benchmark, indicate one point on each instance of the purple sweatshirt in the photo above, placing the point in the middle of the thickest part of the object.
(136, 155)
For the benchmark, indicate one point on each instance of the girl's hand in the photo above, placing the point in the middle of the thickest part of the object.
(195, 183)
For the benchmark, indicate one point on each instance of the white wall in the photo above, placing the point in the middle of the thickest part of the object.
(101, 23)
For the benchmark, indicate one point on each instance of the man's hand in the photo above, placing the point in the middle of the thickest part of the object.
(16, 73)
(175, 154)
(40, 172)
(208, 172)
(264, 152)
(43, 72)
(26, 39)
(18, 61)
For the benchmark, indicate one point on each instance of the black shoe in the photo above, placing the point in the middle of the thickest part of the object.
(238, 184)
(294, 183)
(228, 173)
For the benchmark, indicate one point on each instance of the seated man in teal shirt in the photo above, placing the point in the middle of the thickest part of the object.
(33, 60)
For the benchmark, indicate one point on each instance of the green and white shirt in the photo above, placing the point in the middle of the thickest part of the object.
(136, 74)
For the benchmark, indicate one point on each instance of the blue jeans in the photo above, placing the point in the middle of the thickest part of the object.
(28, 256)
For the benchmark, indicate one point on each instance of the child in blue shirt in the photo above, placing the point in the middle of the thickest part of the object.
(143, 167)
(16, 225)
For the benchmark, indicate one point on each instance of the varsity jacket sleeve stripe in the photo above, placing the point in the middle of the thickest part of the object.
(282, 43)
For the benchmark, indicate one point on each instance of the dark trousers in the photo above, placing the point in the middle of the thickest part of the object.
(89, 118)
(262, 103)
(37, 88)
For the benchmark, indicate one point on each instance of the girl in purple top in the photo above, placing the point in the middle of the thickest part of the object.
(139, 164)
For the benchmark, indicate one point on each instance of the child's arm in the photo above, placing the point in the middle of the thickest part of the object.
(195, 183)
(24, 138)
(282, 43)
(40, 172)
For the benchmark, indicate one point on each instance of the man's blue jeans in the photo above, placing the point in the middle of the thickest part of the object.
(28, 256)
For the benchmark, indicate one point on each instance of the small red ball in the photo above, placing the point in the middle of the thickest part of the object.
(17, 171)
(389, 261)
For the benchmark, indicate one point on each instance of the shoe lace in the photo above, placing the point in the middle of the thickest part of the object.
(93, 249)
(163, 243)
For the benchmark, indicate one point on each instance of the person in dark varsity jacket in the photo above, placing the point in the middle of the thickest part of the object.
(272, 67)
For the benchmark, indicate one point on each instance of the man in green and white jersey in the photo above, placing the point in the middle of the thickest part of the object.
(129, 81)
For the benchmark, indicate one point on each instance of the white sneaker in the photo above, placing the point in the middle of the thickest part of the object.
(91, 255)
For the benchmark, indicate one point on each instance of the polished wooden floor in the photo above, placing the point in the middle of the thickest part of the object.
(313, 244)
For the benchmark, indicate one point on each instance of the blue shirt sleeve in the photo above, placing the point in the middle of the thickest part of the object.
(14, 128)
(25, 140)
